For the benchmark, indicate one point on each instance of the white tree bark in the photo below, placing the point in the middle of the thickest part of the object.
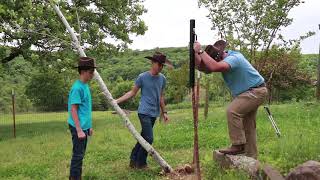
(165, 166)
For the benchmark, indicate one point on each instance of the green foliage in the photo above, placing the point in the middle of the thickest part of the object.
(14, 76)
(177, 84)
(119, 70)
(47, 91)
(98, 100)
(283, 76)
(252, 25)
(308, 63)
(34, 23)
(121, 87)
(218, 91)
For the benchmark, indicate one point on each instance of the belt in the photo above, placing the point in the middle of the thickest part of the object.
(259, 86)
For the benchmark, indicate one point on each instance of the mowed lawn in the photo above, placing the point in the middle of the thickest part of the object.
(42, 149)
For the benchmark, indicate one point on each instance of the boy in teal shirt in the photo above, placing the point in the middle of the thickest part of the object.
(79, 114)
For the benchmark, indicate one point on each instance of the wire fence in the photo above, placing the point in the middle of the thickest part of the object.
(19, 117)
(19, 122)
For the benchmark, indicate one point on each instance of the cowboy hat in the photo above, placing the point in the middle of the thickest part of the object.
(160, 58)
(86, 62)
(216, 50)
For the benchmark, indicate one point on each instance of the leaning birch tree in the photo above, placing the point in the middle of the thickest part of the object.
(165, 166)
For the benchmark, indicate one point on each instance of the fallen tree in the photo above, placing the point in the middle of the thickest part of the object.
(156, 156)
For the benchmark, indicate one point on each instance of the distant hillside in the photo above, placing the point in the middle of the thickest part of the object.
(129, 64)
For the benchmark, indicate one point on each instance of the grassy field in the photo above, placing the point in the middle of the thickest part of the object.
(42, 148)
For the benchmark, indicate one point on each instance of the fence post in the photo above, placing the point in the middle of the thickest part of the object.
(13, 113)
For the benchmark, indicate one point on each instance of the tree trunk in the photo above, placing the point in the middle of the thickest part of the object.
(166, 167)
(196, 161)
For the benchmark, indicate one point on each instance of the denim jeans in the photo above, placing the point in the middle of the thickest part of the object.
(139, 154)
(78, 152)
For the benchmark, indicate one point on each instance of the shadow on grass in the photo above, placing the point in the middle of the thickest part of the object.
(31, 129)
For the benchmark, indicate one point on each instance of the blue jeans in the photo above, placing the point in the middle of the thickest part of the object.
(139, 154)
(78, 152)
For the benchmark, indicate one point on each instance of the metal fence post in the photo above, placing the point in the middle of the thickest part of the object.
(13, 113)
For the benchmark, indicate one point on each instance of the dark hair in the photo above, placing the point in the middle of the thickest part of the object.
(84, 68)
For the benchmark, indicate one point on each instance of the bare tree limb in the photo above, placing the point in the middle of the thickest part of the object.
(165, 166)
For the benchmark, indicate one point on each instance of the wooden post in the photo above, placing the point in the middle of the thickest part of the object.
(318, 78)
(206, 104)
(198, 87)
(13, 113)
(196, 161)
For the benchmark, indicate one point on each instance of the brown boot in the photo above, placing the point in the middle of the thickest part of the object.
(233, 149)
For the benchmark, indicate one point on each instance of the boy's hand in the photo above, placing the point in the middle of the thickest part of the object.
(81, 134)
(90, 132)
(165, 117)
(196, 47)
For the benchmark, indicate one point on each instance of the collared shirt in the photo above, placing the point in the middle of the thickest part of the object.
(241, 75)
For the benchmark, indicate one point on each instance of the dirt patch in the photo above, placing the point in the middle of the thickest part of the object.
(185, 172)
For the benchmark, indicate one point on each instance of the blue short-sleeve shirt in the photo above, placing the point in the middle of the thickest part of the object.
(80, 94)
(151, 87)
(241, 75)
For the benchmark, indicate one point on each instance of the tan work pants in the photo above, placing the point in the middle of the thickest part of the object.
(241, 114)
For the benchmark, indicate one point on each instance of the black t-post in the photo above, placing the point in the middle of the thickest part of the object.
(191, 53)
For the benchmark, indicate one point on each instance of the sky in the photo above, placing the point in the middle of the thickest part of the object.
(168, 24)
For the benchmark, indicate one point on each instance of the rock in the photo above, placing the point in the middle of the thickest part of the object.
(309, 170)
(188, 169)
(248, 164)
(271, 173)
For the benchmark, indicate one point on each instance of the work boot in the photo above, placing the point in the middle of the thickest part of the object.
(233, 149)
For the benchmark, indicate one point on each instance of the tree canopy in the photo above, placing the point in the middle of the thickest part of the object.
(252, 24)
(32, 24)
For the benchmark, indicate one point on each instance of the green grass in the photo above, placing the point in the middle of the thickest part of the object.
(42, 148)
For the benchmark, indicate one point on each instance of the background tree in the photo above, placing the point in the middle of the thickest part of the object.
(250, 25)
(120, 88)
(285, 78)
(177, 83)
(46, 91)
(27, 24)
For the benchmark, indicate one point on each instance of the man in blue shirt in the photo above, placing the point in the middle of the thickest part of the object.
(152, 84)
(79, 114)
(248, 90)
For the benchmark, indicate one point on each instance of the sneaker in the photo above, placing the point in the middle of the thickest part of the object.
(142, 167)
(132, 164)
